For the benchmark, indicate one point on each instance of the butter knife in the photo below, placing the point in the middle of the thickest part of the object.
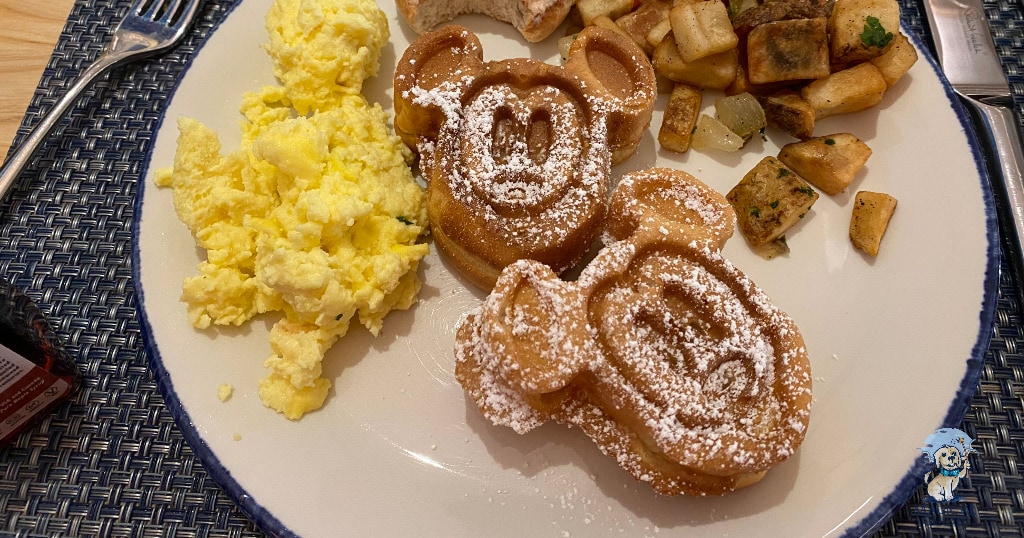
(968, 58)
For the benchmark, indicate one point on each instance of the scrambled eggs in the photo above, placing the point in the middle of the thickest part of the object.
(317, 215)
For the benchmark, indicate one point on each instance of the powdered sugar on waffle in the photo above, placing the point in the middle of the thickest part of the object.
(671, 345)
(535, 195)
(517, 153)
(554, 336)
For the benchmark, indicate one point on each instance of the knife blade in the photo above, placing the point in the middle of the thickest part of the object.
(967, 54)
(965, 47)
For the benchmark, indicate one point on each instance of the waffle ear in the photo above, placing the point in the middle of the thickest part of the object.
(616, 70)
(656, 199)
(450, 56)
(535, 326)
(541, 325)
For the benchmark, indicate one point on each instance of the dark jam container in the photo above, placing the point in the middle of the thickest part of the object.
(36, 373)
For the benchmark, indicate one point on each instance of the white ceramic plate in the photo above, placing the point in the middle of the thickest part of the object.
(397, 449)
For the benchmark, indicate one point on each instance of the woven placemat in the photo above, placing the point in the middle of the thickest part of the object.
(112, 462)
(992, 497)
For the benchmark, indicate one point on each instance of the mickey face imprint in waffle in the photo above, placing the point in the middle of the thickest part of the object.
(663, 352)
(517, 153)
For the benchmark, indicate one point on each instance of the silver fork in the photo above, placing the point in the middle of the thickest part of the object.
(151, 26)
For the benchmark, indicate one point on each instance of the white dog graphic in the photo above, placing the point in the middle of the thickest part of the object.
(950, 467)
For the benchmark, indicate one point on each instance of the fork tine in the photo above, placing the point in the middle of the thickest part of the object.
(147, 8)
(180, 15)
(138, 34)
(170, 12)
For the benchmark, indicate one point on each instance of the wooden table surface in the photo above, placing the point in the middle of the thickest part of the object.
(28, 33)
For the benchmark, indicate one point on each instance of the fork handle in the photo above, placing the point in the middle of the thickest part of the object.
(1000, 128)
(21, 156)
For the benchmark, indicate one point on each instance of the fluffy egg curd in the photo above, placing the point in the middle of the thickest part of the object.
(317, 214)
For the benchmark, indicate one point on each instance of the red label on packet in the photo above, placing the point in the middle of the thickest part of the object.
(25, 390)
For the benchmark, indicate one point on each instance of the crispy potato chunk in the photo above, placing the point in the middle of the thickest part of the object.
(789, 112)
(830, 162)
(852, 89)
(702, 29)
(870, 219)
(773, 11)
(613, 9)
(639, 22)
(772, 249)
(861, 29)
(897, 59)
(788, 50)
(659, 32)
(680, 117)
(604, 22)
(769, 200)
(711, 72)
(740, 83)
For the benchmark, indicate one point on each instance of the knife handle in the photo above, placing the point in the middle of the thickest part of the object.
(1003, 138)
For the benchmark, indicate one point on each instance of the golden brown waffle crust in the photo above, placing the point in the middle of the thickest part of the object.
(517, 153)
(664, 353)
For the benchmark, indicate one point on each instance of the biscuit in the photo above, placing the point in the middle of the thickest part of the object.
(535, 19)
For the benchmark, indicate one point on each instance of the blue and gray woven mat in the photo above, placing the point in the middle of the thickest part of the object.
(112, 462)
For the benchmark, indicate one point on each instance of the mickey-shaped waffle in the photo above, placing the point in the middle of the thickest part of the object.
(517, 153)
(663, 352)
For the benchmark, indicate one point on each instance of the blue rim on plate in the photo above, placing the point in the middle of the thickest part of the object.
(958, 407)
(260, 515)
(969, 383)
(869, 523)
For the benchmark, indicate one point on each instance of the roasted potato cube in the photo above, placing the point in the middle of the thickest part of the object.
(711, 72)
(613, 9)
(860, 30)
(702, 29)
(772, 249)
(769, 200)
(852, 89)
(897, 59)
(639, 22)
(763, 12)
(604, 22)
(737, 7)
(740, 83)
(789, 112)
(788, 50)
(680, 117)
(658, 32)
(830, 162)
(869, 220)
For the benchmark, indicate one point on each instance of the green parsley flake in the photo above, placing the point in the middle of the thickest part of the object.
(874, 35)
